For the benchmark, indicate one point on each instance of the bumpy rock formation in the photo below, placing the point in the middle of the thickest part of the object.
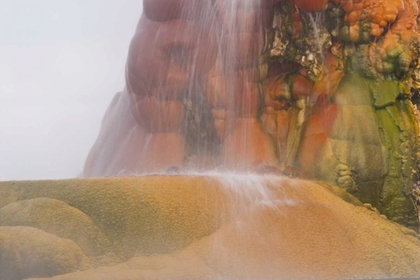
(359, 131)
(225, 226)
(319, 88)
(27, 252)
(192, 85)
(314, 86)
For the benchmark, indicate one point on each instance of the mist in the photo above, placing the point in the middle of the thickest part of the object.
(61, 64)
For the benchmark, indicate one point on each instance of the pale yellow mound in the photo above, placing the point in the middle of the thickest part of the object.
(174, 227)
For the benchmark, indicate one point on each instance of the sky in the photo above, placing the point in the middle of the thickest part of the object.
(61, 62)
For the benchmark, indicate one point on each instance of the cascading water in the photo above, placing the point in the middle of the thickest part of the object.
(269, 86)
(195, 94)
(222, 99)
(192, 87)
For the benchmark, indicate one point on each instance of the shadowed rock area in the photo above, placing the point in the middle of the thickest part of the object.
(197, 227)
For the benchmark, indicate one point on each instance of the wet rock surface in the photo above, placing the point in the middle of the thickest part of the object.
(321, 87)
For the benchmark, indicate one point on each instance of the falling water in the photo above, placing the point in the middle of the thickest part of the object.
(317, 22)
(197, 91)
(192, 99)
(250, 193)
(252, 202)
(192, 106)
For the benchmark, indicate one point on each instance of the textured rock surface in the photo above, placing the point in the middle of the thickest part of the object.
(358, 131)
(177, 227)
(373, 161)
(57, 218)
(319, 86)
(127, 212)
(28, 252)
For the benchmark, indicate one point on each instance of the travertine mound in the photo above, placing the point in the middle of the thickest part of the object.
(26, 252)
(197, 227)
(60, 219)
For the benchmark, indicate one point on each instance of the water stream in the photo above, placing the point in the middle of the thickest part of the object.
(192, 97)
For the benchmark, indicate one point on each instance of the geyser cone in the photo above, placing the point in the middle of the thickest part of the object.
(320, 89)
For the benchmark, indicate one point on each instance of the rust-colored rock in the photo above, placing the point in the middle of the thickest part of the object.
(318, 86)
(311, 5)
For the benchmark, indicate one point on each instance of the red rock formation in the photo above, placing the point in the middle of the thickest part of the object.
(312, 84)
(311, 5)
(182, 49)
